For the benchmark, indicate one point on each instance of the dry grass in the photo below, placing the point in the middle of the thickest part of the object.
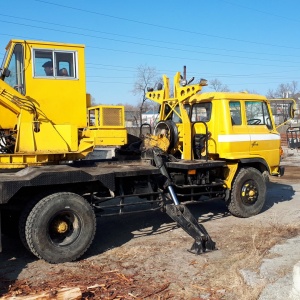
(140, 271)
(244, 249)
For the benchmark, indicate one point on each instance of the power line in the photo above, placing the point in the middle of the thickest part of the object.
(133, 69)
(157, 55)
(186, 58)
(162, 26)
(231, 84)
(128, 69)
(260, 11)
(140, 44)
(215, 75)
(144, 39)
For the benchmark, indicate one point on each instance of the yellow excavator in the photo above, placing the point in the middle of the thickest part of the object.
(205, 146)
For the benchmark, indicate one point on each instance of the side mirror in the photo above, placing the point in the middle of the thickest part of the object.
(159, 86)
(292, 110)
(283, 109)
(5, 72)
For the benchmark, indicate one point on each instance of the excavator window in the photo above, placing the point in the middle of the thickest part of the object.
(16, 68)
(54, 63)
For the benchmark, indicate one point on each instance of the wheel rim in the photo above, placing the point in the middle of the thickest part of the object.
(172, 130)
(64, 228)
(249, 192)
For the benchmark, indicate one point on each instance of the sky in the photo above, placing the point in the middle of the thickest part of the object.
(246, 45)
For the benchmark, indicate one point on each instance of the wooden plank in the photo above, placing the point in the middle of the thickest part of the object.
(62, 294)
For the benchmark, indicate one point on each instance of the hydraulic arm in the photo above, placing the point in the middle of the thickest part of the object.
(181, 214)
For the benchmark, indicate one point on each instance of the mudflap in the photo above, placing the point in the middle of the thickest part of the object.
(184, 218)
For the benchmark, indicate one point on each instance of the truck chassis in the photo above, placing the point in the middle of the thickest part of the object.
(57, 205)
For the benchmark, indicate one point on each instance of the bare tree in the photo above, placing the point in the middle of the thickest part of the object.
(271, 94)
(147, 77)
(93, 101)
(132, 113)
(293, 87)
(283, 90)
(217, 86)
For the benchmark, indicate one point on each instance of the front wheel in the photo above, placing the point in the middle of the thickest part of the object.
(248, 193)
(60, 227)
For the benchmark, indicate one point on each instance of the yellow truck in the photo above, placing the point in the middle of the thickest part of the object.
(205, 146)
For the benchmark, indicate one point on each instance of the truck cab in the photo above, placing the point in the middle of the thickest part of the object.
(238, 128)
(241, 127)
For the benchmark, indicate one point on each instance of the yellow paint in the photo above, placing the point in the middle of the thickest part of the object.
(61, 226)
(229, 173)
(251, 193)
(160, 141)
(50, 115)
(228, 141)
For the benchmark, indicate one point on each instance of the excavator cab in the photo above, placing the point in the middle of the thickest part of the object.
(34, 70)
(44, 107)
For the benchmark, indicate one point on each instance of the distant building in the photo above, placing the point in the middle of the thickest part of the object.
(150, 117)
(132, 118)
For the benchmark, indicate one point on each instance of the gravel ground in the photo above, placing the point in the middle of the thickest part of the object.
(145, 256)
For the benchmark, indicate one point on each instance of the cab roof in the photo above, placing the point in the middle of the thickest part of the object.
(226, 95)
(44, 43)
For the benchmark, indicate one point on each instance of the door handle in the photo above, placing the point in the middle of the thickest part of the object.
(255, 143)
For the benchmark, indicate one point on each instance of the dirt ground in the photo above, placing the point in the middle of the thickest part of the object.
(145, 256)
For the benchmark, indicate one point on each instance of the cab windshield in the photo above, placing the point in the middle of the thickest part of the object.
(16, 68)
(4, 59)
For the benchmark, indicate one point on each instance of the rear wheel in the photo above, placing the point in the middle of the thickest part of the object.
(60, 227)
(248, 193)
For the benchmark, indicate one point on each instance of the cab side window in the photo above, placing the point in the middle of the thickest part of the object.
(235, 112)
(257, 114)
(201, 112)
(176, 117)
(60, 64)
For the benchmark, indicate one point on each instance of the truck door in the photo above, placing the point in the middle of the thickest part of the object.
(264, 139)
(240, 138)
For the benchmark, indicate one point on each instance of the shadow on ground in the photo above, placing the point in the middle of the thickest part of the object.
(13, 259)
(276, 193)
(115, 231)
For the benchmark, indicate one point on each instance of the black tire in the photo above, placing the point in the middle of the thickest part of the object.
(60, 227)
(23, 219)
(248, 193)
